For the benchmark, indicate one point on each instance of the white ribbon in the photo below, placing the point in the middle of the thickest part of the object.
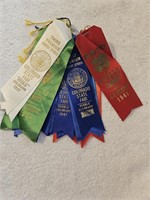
(21, 86)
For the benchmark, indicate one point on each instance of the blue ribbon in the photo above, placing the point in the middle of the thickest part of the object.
(17, 132)
(59, 119)
(48, 123)
(83, 103)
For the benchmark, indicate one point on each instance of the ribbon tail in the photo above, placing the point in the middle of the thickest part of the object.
(17, 132)
(100, 138)
(55, 139)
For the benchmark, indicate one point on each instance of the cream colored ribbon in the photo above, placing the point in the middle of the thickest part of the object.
(20, 87)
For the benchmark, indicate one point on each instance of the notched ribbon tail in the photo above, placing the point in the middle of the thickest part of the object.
(100, 138)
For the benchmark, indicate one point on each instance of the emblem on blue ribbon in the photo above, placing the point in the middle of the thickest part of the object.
(83, 103)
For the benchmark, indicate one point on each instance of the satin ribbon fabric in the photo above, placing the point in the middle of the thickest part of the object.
(75, 110)
(107, 72)
(59, 119)
(68, 101)
(86, 116)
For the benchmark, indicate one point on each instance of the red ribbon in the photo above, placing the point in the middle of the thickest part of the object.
(106, 71)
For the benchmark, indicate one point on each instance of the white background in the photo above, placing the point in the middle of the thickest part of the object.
(115, 170)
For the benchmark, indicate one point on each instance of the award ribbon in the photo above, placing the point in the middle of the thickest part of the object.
(21, 86)
(86, 116)
(59, 119)
(107, 72)
(14, 125)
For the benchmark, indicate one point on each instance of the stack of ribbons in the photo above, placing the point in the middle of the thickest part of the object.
(58, 88)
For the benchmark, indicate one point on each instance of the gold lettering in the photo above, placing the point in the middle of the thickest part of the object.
(87, 113)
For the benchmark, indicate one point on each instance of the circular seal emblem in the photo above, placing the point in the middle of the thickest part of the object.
(40, 61)
(77, 78)
(101, 62)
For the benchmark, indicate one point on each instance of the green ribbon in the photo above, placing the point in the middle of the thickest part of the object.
(6, 123)
(32, 116)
